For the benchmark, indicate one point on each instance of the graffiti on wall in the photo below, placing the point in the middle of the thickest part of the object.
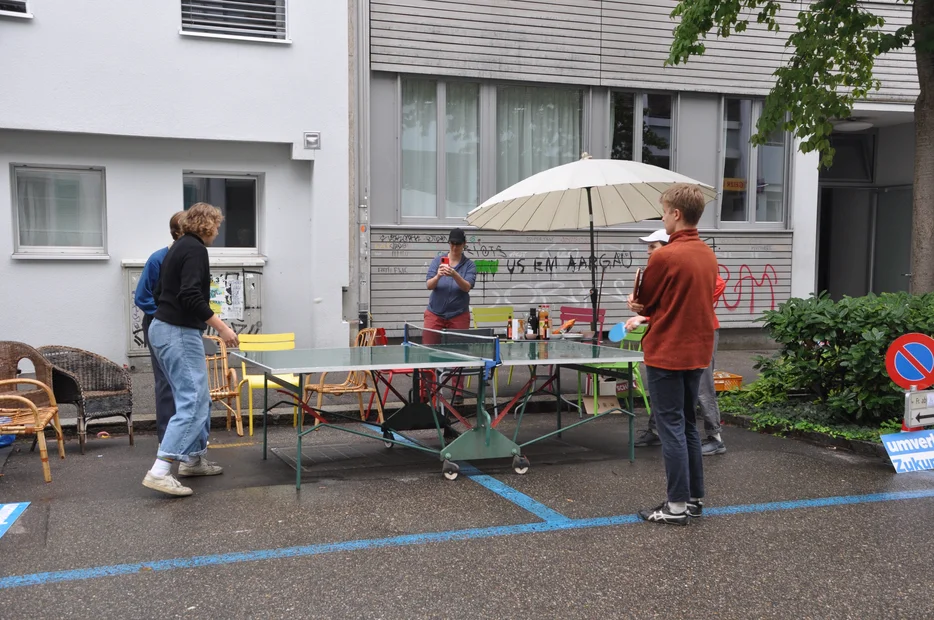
(560, 273)
(745, 286)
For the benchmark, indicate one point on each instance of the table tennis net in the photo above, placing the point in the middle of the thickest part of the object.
(480, 343)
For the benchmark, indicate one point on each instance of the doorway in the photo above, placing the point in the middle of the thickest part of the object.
(864, 240)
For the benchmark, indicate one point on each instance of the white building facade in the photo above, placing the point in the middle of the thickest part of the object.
(466, 98)
(116, 115)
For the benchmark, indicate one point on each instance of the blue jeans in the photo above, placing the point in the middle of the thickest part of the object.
(180, 353)
(674, 395)
(165, 402)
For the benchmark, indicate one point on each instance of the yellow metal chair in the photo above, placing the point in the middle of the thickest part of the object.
(357, 382)
(222, 383)
(493, 317)
(265, 342)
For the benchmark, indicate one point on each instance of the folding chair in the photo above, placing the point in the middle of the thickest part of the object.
(380, 340)
(583, 315)
(265, 342)
(462, 336)
(357, 382)
(632, 341)
(498, 315)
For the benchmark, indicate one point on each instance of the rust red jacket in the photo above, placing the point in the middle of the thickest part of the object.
(677, 287)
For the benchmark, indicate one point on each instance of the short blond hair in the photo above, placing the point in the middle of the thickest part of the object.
(202, 219)
(686, 198)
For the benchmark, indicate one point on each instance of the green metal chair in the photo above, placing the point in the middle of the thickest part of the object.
(492, 317)
(632, 341)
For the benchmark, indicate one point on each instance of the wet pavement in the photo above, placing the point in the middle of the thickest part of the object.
(793, 530)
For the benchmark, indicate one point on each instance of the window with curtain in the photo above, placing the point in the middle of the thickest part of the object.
(537, 128)
(451, 109)
(236, 197)
(59, 209)
(655, 132)
(754, 177)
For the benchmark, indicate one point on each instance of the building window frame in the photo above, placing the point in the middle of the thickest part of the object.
(638, 122)
(752, 171)
(23, 14)
(259, 179)
(192, 31)
(487, 147)
(21, 250)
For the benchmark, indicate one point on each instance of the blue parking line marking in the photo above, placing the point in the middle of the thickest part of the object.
(18, 581)
(505, 491)
(508, 493)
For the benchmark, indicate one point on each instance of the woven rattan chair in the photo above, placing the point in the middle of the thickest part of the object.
(28, 418)
(223, 384)
(98, 387)
(357, 382)
(11, 354)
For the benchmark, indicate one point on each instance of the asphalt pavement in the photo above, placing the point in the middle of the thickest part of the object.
(792, 530)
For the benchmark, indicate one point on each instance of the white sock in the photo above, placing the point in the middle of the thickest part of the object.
(717, 437)
(677, 507)
(161, 467)
(694, 500)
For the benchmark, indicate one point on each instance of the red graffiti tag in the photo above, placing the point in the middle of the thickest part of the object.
(739, 288)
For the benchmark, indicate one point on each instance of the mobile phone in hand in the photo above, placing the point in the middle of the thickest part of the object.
(445, 260)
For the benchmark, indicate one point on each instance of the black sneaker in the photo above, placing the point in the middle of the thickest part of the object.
(647, 438)
(663, 514)
(695, 508)
(711, 446)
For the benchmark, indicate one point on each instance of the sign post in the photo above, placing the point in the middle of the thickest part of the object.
(910, 364)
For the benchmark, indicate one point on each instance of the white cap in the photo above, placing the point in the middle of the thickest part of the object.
(658, 235)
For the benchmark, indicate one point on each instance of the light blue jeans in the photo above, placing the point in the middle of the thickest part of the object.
(180, 352)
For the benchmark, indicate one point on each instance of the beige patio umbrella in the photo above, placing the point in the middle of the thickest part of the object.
(580, 195)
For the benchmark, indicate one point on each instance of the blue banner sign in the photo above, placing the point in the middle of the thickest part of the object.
(910, 451)
(9, 513)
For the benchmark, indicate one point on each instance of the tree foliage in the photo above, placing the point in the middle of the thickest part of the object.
(833, 51)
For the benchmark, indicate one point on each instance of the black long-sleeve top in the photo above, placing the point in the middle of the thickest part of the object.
(185, 284)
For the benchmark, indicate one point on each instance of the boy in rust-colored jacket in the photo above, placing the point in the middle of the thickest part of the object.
(677, 286)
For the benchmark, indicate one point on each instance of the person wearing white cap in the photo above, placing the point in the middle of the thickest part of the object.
(707, 396)
(656, 240)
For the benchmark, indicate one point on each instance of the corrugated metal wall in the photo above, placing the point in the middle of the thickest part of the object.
(524, 270)
(594, 42)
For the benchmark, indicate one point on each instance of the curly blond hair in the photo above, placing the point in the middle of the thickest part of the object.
(202, 219)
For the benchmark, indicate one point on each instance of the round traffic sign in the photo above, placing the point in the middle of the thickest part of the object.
(910, 361)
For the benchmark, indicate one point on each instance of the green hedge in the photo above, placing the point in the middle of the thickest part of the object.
(834, 352)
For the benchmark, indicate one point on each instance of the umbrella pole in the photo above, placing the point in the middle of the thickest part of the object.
(593, 267)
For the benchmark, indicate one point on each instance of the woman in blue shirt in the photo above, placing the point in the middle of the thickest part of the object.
(450, 283)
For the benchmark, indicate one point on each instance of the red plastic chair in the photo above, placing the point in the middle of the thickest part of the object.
(380, 341)
(583, 315)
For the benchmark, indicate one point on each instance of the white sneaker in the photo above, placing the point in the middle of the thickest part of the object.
(201, 467)
(167, 484)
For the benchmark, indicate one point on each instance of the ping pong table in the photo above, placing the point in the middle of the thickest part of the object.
(481, 440)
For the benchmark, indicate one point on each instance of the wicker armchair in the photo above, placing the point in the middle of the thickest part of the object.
(98, 387)
(357, 382)
(222, 382)
(28, 404)
(11, 354)
(22, 416)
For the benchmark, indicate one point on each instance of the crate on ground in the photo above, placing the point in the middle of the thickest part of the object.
(725, 381)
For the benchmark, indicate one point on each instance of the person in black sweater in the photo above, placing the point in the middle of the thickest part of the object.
(183, 313)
